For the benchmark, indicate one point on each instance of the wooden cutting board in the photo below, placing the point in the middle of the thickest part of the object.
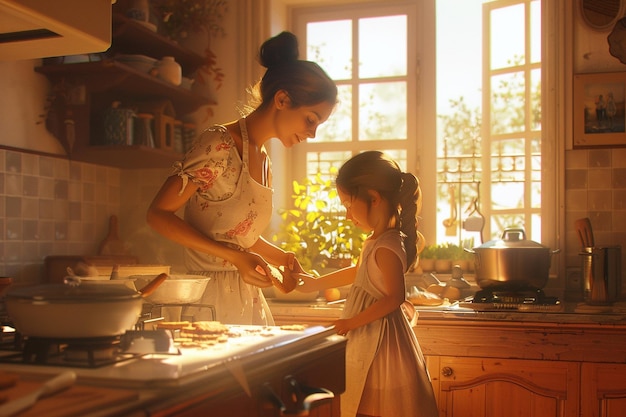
(78, 400)
(112, 244)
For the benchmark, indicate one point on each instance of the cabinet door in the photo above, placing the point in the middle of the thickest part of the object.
(475, 387)
(603, 390)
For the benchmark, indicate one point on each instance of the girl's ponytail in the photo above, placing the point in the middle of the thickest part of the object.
(410, 201)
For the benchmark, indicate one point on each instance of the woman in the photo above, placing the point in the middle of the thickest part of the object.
(225, 182)
(386, 375)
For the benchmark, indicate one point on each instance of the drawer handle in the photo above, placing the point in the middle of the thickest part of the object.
(301, 398)
(447, 371)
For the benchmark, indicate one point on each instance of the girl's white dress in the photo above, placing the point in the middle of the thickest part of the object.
(229, 207)
(385, 369)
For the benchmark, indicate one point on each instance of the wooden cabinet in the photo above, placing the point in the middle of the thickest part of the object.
(490, 368)
(316, 374)
(82, 91)
(486, 387)
(603, 390)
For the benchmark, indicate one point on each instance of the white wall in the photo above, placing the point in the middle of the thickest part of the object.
(22, 103)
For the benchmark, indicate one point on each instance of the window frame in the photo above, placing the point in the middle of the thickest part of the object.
(557, 64)
(298, 18)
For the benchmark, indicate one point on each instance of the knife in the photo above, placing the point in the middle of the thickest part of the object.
(52, 386)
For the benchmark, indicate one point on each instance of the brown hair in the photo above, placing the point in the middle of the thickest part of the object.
(373, 170)
(305, 82)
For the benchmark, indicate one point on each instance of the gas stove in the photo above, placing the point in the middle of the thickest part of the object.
(121, 360)
(522, 300)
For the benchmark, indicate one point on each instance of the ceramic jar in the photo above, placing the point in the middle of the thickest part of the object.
(169, 70)
(118, 125)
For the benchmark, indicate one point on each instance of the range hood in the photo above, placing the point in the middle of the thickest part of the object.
(44, 28)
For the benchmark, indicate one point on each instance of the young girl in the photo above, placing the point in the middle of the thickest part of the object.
(385, 369)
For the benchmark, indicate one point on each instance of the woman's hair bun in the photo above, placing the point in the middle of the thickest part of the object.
(279, 50)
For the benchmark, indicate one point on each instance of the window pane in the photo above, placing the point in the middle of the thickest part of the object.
(330, 45)
(325, 163)
(508, 98)
(382, 111)
(507, 36)
(535, 99)
(382, 46)
(535, 31)
(338, 127)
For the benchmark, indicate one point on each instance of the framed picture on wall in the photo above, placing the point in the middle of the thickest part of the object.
(599, 110)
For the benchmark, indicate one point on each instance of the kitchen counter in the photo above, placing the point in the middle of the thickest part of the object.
(320, 312)
(233, 378)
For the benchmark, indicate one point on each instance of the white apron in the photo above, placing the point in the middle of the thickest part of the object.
(230, 207)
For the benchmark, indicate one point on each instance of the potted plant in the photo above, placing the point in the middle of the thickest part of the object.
(194, 24)
(316, 229)
(427, 258)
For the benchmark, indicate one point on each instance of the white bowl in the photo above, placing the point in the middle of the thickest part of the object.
(176, 289)
(139, 62)
(105, 280)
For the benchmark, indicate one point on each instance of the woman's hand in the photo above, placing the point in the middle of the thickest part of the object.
(249, 264)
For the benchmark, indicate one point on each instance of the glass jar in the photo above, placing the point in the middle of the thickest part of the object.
(143, 132)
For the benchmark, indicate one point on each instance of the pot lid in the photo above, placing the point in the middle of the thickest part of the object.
(512, 238)
(72, 293)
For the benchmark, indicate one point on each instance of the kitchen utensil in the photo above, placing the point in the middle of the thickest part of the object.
(585, 232)
(151, 286)
(512, 262)
(73, 310)
(112, 244)
(176, 289)
(50, 387)
(601, 268)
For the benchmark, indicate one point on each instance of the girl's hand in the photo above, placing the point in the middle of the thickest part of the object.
(248, 263)
(342, 326)
(294, 271)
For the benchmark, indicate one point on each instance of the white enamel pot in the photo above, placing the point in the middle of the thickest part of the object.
(66, 311)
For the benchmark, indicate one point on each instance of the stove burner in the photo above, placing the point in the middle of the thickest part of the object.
(80, 353)
(528, 300)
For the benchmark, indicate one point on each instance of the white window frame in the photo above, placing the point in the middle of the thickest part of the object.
(299, 16)
(556, 73)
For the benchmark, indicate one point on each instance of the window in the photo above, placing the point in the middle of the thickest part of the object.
(496, 113)
(480, 151)
(366, 51)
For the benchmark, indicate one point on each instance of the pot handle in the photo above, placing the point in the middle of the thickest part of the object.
(149, 288)
(514, 230)
(469, 250)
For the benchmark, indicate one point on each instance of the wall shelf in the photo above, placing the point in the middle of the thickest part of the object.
(106, 80)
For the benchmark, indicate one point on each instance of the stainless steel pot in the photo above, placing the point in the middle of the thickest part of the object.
(75, 311)
(512, 263)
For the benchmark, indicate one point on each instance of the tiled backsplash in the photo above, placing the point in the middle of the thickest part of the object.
(54, 206)
(595, 187)
(51, 206)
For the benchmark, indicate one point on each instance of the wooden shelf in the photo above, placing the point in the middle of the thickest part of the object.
(108, 80)
(129, 157)
(111, 76)
(133, 38)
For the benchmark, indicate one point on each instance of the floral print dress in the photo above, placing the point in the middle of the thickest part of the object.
(386, 373)
(229, 207)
